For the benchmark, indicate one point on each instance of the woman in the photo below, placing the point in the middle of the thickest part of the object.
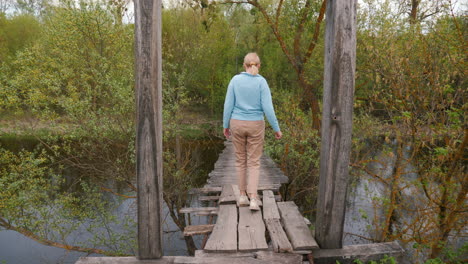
(248, 98)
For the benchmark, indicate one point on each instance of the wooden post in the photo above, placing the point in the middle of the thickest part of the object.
(340, 64)
(148, 81)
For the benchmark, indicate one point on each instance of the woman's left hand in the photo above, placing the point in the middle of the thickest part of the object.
(227, 133)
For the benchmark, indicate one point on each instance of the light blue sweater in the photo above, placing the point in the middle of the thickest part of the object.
(248, 97)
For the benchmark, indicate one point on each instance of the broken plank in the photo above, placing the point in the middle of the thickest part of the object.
(227, 195)
(270, 210)
(278, 237)
(296, 229)
(198, 229)
(224, 235)
(251, 230)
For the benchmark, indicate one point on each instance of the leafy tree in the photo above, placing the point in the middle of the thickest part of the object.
(16, 33)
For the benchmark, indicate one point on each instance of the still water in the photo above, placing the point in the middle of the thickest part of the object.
(16, 248)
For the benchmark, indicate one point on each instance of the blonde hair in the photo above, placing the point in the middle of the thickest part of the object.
(251, 63)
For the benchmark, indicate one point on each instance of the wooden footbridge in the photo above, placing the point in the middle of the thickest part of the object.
(278, 233)
(278, 227)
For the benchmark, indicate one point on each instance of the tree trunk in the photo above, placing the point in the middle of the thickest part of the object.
(310, 101)
(414, 11)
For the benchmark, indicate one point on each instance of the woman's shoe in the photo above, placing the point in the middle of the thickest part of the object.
(254, 204)
(243, 200)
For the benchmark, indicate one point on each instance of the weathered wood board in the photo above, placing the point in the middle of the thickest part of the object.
(198, 229)
(279, 240)
(345, 255)
(203, 254)
(207, 189)
(227, 195)
(296, 229)
(363, 252)
(235, 189)
(224, 235)
(208, 198)
(270, 210)
(174, 260)
(251, 230)
(186, 210)
(149, 162)
(337, 118)
(279, 258)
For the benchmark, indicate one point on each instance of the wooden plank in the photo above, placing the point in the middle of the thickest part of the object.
(207, 213)
(363, 252)
(209, 198)
(172, 260)
(227, 195)
(148, 84)
(204, 254)
(270, 210)
(251, 230)
(186, 210)
(279, 240)
(296, 229)
(197, 229)
(224, 235)
(261, 187)
(236, 193)
(206, 189)
(284, 258)
(235, 189)
(338, 93)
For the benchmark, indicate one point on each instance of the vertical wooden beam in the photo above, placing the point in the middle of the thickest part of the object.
(148, 81)
(340, 64)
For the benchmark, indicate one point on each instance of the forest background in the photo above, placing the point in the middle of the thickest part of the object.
(67, 83)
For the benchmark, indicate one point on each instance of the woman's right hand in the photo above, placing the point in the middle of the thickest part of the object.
(278, 135)
(227, 133)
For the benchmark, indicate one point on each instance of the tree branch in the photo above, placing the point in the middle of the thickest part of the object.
(116, 193)
(299, 32)
(313, 42)
(276, 33)
(278, 12)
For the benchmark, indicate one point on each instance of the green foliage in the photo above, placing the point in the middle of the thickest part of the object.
(82, 66)
(199, 48)
(297, 153)
(410, 86)
(16, 33)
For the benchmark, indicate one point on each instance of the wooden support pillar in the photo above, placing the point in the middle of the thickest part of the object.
(338, 92)
(148, 81)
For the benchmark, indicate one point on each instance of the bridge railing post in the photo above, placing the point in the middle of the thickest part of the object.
(338, 92)
(148, 82)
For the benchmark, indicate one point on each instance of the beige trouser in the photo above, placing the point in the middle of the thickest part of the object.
(247, 138)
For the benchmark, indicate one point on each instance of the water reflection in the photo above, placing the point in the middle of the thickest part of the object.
(18, 249)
